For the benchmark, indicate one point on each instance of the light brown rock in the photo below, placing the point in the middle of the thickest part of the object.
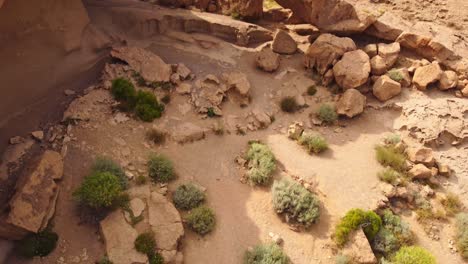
(371, 50)
(351, 103)
(283, 43)
(352, 70)
(295, 130)
(386, 58)
(448, 80)
(187, 132)
(388, 26)
(385, 88)
(267, 60)
(421, 155)
(238, 83)
(378, 65)
(359, 249)
(425, 75)
(420, 171)
(39, 135)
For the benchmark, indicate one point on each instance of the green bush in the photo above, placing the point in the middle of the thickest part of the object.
(210, 112)
(266, 254)
(160, 168)
(327, 114)
(187, 196)
(395, 75)
(413, 255)
(104, 260)
(156, 136)
(390, 156)
(393, 234)
(389, 175)
(145, 243)
(139, 79)
(123, 90)
(102, 164)
(99, 190)
(155, 258)
(147, 106)
(201, 220)
(140, 180)
(289, 104)
(40, 244)
(452, 204)
(392, 139)
(342, 259)
(261, 163)
(312, 90)
(314, 143)
(462, 234)
(295, 201)
(354, 219)
(166, 99)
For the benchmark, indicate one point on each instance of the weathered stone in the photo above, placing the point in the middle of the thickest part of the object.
(385, 88)
(400, 75)
(303, 29)
(421, 155)
(247, 9)
(359, 249)
(276, 14)
(351, 103)
(16, 140)
(119, 238)
(378, 65)
(295, 130)
(137, 206)
(371, 50)
(388, 26)
(39, 135)
(448, 80)
(151, 67)
(352, 70)
(267, 60)
(187, 132)
(386, 58)
(240, 85)
(259, 119)
(444, 169)
(208, 93)
(283, 43)
(184, 88)
(420, 171)
(425, 75)
(326, 50)
(183, 71)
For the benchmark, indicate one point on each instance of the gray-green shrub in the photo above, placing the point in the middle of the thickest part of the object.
(99, 190)
(266, 254)
(327, 114)
(261, 164)
(462, 234)
(390, 156)
(393, 234)
(103, 164)
(187, 196)
(201, 220)
(354, 219)
(160, 168)
(389, 175)
(314, 143)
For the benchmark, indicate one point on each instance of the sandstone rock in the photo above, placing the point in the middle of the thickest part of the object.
(259, 119)
(371, 50)
(351, 103)
(276, 14)
(183, 71)
(464, 91)
(358, 248)
(247, 9)
(208, 93)
(303, 29)
(119, 238)
(39, 135)
(16, 140)
(238, 82)
(184, 88)
(295, 130)
(378, 65)
(388, 26)
(328, 77)
(421, 155)
(33, 202)
(283, 43)
(352, 70)
(187, 132)
(386, 58)
(400, 75)
(149, 65)
(325, 50)
(267, 60)
(385, 88)
(444, 169)
(448, 80)
(425, 75)
(419, 171)
(137, 206)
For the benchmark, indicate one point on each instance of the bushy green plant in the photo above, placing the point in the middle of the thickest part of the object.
(140, 180)
(327, 114)
(266, 254)
(210, 112)
(395, 75)
(393, 234)
(261, 163)
(187, 196)
(39, 244)
(295, 201)
(390, 156)
(462, 234)
(201, 220)
(145, 243)
(147, 106)
(311, 90)
(155, 258)
(160, 168)
(314, 143)
(354, 219)
(156, 136)
(342, 259)
(392, 139)
(389, 175)
(452, 204)
(413, 255)
(289, 104)
(102, 164)
(99, 190)
(123, 90)
(104, 260)
(139, 79)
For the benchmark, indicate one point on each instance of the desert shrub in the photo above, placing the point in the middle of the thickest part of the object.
(166, 86)
(327, 114)
(102, 164)
(145, 243)
(462, 234)
(289, 104)
(123, 90)
(393, 234)
(342, 259)
(210, 112)
(389, 175)
(139, 79)
(155, 258)
(156, 136)
(395, 75)
(166, 99)
(104, 260)
(266, 254)
(392, 139)
(160, 168)
(311, 90)
(261, 163)
(140, 180)
(99, 190)
(295, 201)
(201, 220)
(390, 156)
(39, 244)
(413, 255)
(269, 4)
(314, 143)
(452, 204)
(147, 106)
(354, 219)
(187, 196)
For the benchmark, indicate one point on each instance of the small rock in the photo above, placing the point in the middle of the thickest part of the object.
(419, 171)
(183, 71)
(137, 206)
(184, 88)
(385, 88)
(16, 140)
(295, 130)
(69, 92)
(371, 50)
(448, 80)
(39, 135)
(425, 75)
(421, 155)
(283, 43)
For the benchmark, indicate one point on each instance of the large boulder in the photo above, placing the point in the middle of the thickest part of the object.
(425, 75)
(351, 103)
(386, 58)
(385, 88)
(448, 80)
(352, 70)
(151, 67)
(326, 50)
(267, 60)
(338, 16)
(359, 249)
(388, 26)
(421, 155)
(283, 43)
